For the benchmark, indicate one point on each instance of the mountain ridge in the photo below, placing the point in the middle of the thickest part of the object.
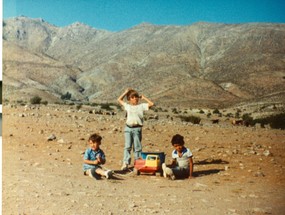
(203, 64)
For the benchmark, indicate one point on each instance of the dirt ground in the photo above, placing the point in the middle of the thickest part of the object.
(238, 170)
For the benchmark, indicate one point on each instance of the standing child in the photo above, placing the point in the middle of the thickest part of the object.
(134, 123)
(94, 157)
(182, 162)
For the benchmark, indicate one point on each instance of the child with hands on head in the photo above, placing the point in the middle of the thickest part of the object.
(134, 123)
(94, 157)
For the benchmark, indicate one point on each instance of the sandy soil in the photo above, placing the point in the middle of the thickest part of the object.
(238, 170)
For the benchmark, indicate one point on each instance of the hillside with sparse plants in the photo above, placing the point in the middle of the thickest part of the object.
(200, 65)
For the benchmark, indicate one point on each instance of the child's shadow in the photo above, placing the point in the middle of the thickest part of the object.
(121, 174)
(116, 177)
(206, 172)
(211, 161)
(200, 173)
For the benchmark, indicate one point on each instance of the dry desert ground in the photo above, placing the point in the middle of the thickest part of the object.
(238, 170)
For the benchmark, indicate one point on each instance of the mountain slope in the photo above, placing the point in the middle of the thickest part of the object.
(199, 65)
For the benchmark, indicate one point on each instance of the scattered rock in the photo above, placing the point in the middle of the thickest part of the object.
(266, 153)
(51, 137)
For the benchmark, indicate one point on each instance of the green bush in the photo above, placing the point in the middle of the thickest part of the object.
(78, 106)
(66, 96)
(106, 106)
(36, 100)
(248, 119)
(275, 121)
(192, 119)
(237, 114)
(174, 110)
(216, 111)
(229, 115)
(94, 104)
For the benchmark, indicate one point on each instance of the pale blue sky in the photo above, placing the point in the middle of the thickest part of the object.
(116, 15)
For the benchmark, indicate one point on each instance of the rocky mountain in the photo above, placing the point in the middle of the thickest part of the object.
(204, 64)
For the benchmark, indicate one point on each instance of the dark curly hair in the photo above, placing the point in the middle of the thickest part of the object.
(95, 138)
(177, 139)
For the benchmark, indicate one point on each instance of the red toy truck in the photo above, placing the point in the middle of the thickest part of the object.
(150, 162)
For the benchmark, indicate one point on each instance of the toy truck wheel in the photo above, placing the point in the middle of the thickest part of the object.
(136, 171)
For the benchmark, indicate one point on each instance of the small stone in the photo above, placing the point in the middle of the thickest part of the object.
(51, 137)
(266, 153)
(259, 174)
(60, 141)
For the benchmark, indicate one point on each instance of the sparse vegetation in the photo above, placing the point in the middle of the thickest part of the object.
(174, 110)
(192, 119)
(94, 104)
(106, 106)
(237, 114)
(247, 119)
(216, 111)
(35, 100)
(275, 121)
(229, 115)
(78, 106)
(66, 96)
(64, 75)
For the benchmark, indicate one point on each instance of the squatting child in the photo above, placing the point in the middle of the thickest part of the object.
(134, 123)
(182, 162)
(94, 157)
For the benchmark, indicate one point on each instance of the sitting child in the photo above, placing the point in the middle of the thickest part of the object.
(94, 157)
(182, 162)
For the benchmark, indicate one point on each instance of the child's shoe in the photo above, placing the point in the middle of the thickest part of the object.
(108, 174)
(88, 173)
(164, 170)
(124, 167)
(167, 172)
(172, 176)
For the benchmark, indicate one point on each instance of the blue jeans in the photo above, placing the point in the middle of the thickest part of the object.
(181, 172)
(133, 137)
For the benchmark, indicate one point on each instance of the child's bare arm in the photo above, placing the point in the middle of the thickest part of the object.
(121, 97)
(92, 162)
(99, 160)
(150, 103)
(173, 163)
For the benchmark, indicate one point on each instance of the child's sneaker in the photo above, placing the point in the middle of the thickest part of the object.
(167, 172)
(108, 174)
(172, 176)
(88, 173)
(164, 170)
(124, 167)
